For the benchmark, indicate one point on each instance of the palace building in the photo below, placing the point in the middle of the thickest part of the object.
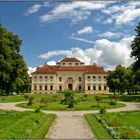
(69, 73)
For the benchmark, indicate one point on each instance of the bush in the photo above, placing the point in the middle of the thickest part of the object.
(102, 110)
(115, 123)
(98, 99)
(85, 95)
(37, 109)
(69, 98)
(30, 100)
(102, 120)
(129, 134)
(109, 129)
(26, 96)
(113, 134)
(43, 101)
(112, 103)
(55, 97)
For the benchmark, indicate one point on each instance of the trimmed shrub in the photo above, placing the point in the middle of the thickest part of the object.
(112, 103)
(85, 95)
(102, 110)
(37, 109)
(98, 99)
(30, 100)
(43, 101)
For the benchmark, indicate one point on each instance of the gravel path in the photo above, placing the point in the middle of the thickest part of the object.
(71, 124)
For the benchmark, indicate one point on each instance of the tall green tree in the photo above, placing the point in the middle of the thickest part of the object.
(136, 48)
(136, 54)
(13, 70)
(116, 79)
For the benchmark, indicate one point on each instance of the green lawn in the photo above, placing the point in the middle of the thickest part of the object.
(12, 98)
(20, 125)
(82, 102)
(130, 98)
(99, 131)
(125, 124)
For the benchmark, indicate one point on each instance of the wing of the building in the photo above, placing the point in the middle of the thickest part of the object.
(69, 73)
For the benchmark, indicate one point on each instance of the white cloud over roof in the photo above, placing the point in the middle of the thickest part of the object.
(104, 53)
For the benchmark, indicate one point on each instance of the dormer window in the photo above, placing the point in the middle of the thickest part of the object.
(76, 64)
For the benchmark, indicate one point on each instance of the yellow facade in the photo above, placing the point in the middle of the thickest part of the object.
(77, 80)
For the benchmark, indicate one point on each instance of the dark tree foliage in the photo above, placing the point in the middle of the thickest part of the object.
(136, 48)
(13, 70)
(123, 80)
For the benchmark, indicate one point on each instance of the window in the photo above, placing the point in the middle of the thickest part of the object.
(60, 88)
(88, 78)
(60, 79)
(80, 79)
(88, 87)
(99, 87)
(51, 78)
(76, 64)
(35, 88)
(51, 87)
(105, 87)
(99, 78)
(94, 77)
(40, 87)
(40, 78)
(80, 87)
(104, 77)
(45, 87)
(63, 64)
(70, 64)
(94, 87)
(46, 78)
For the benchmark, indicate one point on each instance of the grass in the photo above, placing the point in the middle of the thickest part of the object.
(83, 103)
(12, 98)
(130, 98)
(97, 128)
(23, 125)
(125, 124)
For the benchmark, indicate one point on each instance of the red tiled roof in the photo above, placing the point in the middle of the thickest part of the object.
(89, 69)
(70, 60)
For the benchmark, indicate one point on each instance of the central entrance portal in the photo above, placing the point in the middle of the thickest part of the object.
(70, 86)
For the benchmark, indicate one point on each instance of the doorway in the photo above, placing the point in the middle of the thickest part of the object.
(70, 86)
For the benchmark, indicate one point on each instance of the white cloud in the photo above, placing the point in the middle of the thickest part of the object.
(74, 11)
(127, 16)
(122, 14)
(107, 34)
(31, 70)
(82, 40)
(55, 53)
(105, 53)
(85, 30)
(33, 9)
(51, 63)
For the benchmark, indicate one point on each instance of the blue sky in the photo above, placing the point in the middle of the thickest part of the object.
(94, 32)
